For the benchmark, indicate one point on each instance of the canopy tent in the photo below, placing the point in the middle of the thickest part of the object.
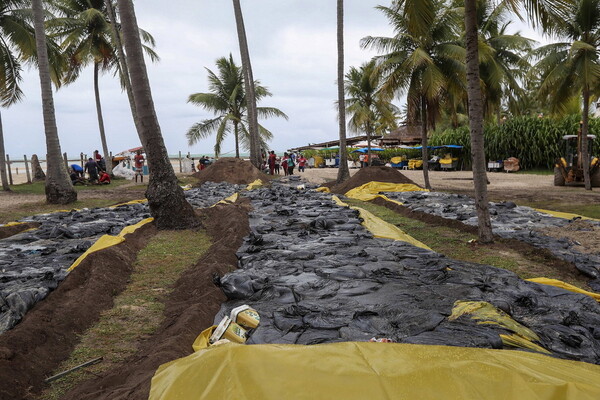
(366, 150)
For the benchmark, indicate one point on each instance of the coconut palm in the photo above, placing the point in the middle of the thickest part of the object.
(15, 48)
(254, 130)
(87, 39)
(166, 199)
(546, 13)
(370, 110)
(227, 100)
(425, 64)
(572, 66)
(343, 171)
(59, 189)
(502, 57)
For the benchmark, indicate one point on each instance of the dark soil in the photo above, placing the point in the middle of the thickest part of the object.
(366, 175)
(563, 270)
(232, 170)
(49, 332)
(8, 231)
(189, 310)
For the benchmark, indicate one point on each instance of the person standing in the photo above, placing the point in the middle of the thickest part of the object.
(361, 158)
(291, 164)
(138, 162)
(284, 164)
(301, 163)
(272, 158)
(91, 167)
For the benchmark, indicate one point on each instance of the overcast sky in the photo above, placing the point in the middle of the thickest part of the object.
(293, 50)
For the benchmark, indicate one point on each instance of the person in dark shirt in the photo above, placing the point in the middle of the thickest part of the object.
(91, 167)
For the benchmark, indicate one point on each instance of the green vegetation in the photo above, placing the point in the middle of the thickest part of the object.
(456, 244)
(227, 101)
(536, 142)
(138, 310)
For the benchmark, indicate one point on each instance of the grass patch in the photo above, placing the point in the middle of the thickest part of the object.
(535, 171)
(137, 311)
(455, 244)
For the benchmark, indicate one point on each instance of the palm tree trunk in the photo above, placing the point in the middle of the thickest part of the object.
(123, 68)
(59, 189)
(166, 200)
(476, 124)
(584, 139)
(343, 171)
(255, 153)
(236, 133)
(3, 176)
(424, 149)
(107, 158)
(368, 130)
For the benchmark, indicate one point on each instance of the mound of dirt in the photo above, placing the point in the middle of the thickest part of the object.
(8, 231)
(188, 311)
(48, 333)
(369, 174)
(232, 170)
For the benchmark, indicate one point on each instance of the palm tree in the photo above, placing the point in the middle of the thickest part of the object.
(59, 189)
(573, 67)
(166, 200)
(425, 64)
(542, 12)
(255, 150)
(16, 46)
(502, 57)
(343, 171)
(370, 110)
(87, 38)
(227, 100)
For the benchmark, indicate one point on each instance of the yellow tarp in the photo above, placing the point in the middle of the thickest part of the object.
(381, 229)
(565, 215)
(323, 189)
(228, 200)
(359, 371)
(371, 190)
(107, 241)
(256, 184)
(14, 223)
(486, 313)
(565, 285)
(415, 163)
(130, 202)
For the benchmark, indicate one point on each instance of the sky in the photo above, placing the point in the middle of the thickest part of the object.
(293, 52)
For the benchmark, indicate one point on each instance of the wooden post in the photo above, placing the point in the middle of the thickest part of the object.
(27, 169)
(66, 161)
(180, 164)
(10, 179)
(82, 162)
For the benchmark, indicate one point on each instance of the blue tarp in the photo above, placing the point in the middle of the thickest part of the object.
(365, 150)
(448, 146)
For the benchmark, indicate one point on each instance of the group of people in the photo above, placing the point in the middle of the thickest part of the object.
(288, 162)
(95, 168)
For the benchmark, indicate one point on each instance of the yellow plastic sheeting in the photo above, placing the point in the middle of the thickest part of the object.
(565, 215)
(323, 189)
(203, 340)
(256, 184)
(14, 223)
(381, 229)
(228, 200)
(486, 313)
(414, 163)
(107, 241)
(565, 285)
(130, 202)
(358, 371)
(371, 190)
